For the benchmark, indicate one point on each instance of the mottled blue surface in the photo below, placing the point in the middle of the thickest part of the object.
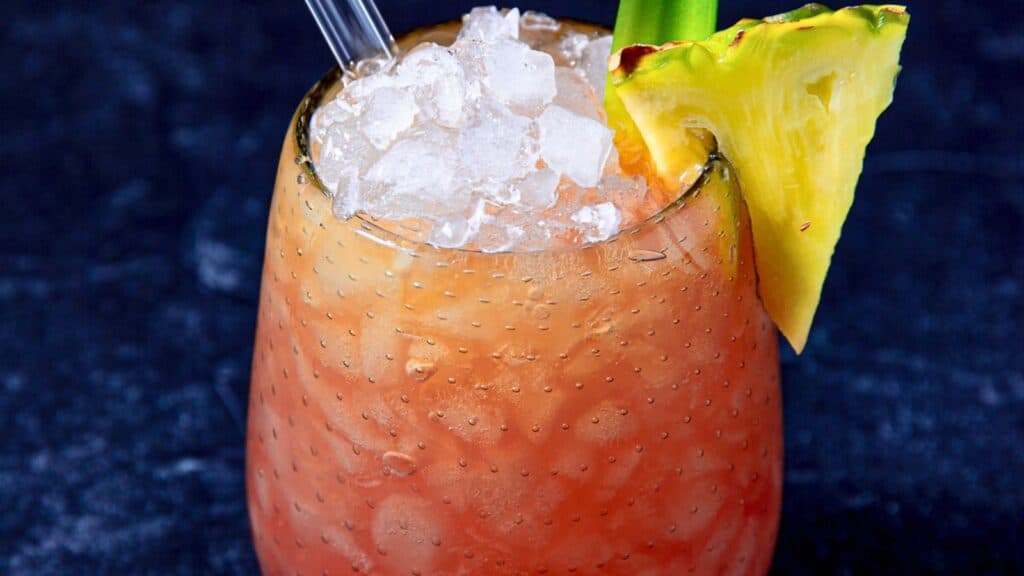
(139, 147)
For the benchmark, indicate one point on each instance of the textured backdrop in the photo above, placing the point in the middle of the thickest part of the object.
(139, 147)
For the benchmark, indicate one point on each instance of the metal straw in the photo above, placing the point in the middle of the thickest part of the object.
(353, 29)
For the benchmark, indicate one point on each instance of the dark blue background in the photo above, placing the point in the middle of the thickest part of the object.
(139, 144)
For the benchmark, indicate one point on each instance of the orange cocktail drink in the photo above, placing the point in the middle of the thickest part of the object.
(606, 408)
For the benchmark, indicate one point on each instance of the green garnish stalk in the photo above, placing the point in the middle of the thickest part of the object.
(659, 21)
(653, 22)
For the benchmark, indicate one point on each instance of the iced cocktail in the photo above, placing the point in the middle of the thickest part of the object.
(553, 363)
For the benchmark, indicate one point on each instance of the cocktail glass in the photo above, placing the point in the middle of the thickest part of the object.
(609, 409)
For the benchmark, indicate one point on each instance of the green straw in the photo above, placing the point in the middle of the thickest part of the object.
(659, 21)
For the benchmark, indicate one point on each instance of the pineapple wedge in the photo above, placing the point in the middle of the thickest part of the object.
(792, 101)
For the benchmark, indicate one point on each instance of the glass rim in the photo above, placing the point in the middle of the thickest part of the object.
(303, 122)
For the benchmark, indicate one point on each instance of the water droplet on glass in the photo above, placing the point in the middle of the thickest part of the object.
(645, 255)
(420, 369)
(399, 464)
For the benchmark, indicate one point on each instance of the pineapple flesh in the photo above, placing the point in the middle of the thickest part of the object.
(791, 102)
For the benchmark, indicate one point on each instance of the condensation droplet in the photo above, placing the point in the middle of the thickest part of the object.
(420, 369)
(645, 255)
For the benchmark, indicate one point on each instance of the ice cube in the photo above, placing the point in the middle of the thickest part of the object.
(538, 189)
(574, 145)
(458, 230)
(423, 62)
(571, 47)
(414, 179)
(497, 235)
(496, 148)
(531, 20)
(335, 111)
(594, 63)
(598, 222)
(450, 232)
(628, 194)
(507, 194)
(576, 95)
(488, 24)
(345, 152)
(388, 113)
(357, 91)
(522, 78)
(346, 201)
(538, 31)
(434, 74)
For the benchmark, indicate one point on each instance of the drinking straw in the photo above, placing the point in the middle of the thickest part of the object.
(354, 30)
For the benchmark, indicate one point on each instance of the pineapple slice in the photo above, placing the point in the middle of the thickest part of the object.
(792, 101)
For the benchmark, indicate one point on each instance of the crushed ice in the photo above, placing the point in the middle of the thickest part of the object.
(497, 142)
